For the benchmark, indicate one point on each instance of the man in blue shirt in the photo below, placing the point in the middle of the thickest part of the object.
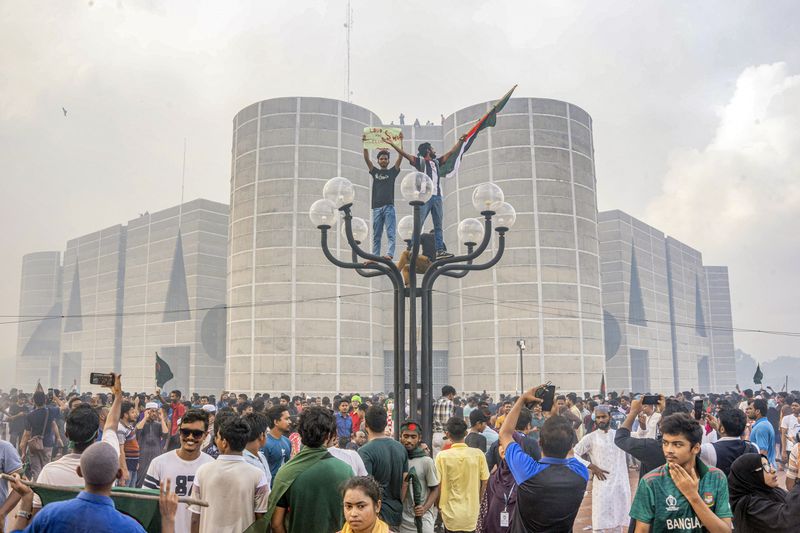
(550, 491)
(10, 463)
(93, 509)
(762, 433)
(344, 424)
(278, 448)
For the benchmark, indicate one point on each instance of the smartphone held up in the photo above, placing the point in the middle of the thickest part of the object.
(99, 378)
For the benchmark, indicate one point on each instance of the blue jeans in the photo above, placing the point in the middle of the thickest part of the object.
(380, 216)
(133, 477)
(434, 207)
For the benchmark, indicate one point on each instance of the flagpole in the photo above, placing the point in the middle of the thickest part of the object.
(133, 495)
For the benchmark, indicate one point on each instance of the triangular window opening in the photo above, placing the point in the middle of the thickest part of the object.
(699, 316)
(636, 315)
(73, 321)
(177, 304)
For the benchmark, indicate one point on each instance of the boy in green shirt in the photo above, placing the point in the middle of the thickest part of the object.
(684, 495)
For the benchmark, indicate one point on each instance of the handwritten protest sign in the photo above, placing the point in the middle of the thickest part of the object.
(374, 137)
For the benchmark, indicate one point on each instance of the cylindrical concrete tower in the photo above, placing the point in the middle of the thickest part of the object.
(297, 322)
(546, 289)
(38, 340)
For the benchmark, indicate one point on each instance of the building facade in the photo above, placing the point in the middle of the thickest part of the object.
(243, 299)
(299, 323)
(636, 310)
(39, 332)
(175, 277)
(157, 284)
(723, 360)
(296, 322)
(667, 318)
(91, 339)
(546, 289)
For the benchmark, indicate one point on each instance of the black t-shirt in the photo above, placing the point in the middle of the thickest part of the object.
(549, 492)
(427, 243)
(18, 424)
(648, 451)
(38, 419)
(383, 185)
(476, 440)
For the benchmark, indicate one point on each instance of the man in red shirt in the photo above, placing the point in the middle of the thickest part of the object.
(355, 401)
(178, 410)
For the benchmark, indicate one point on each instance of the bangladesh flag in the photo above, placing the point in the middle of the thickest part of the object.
(758, 376)
(163, 372)
(144, 511)
(487, 121)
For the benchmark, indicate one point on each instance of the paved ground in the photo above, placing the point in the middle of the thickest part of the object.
(584, 520)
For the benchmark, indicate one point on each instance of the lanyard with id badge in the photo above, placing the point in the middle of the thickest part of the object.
(505, 519)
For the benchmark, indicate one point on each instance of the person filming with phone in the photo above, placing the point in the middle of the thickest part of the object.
(81, 428)
(549, 491)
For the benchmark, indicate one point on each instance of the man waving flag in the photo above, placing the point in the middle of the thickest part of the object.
(488, 120)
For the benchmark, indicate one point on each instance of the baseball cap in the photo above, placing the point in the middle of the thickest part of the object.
(151, 405)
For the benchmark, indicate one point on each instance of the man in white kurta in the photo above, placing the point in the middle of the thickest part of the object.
(611, 490)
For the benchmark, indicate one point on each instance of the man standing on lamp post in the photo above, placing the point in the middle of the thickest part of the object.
(427, 162)
(383, 213)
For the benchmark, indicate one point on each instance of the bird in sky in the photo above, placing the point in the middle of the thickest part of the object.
(65, 111)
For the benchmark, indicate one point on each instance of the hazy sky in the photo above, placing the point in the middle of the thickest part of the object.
(696, 109)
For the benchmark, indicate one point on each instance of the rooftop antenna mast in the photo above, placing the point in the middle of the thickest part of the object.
(348, 24)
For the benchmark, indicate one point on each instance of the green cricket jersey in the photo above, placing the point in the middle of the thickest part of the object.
(658, 501)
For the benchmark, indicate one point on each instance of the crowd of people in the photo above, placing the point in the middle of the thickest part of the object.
(706, 462)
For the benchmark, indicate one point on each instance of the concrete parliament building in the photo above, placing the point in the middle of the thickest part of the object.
(123, 293)
(317, 328)
(591, 293)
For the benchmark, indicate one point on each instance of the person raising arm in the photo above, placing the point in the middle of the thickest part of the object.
(549, 491)
(414, 159)
(368, 159)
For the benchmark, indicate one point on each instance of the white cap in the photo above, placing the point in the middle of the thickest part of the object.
(151, 405)
(209, 408)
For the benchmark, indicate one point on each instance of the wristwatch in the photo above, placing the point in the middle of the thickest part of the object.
(24, 514)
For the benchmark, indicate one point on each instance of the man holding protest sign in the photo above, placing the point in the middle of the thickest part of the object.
(383, 178)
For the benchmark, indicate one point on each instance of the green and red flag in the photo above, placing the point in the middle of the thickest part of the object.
(163, 372)
(487, 121)
(145, 512)
(758, 376)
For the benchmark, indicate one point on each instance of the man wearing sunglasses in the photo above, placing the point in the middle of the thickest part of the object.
(180, 466)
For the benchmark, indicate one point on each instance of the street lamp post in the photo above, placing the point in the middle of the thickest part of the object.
(416, 188)
(521, 344)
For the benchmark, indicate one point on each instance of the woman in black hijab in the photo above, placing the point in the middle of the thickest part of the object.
(757, 502)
